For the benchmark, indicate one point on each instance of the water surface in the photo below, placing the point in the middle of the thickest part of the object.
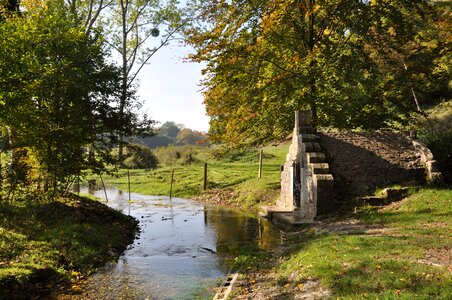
(182, 251)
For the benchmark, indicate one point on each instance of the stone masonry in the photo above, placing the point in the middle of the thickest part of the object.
(362, 162)
(307, 187)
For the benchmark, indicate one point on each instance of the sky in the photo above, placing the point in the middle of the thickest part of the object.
(170, 89)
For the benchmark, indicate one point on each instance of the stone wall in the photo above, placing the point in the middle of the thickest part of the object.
(364, 161)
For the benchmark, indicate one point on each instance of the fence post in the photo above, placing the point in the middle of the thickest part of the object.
(78, 183)
(128, 182)
(103, 185)
(261, 155)
(205, 177)
(171, 185)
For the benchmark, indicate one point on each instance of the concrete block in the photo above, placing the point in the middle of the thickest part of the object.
(315, 157)
(320, 168)
(325, 192)
(312, 147)
(306, 130)
(304, 117)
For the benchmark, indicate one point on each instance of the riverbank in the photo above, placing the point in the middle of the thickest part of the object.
(232, 180)
(401, 251)
(45, 247)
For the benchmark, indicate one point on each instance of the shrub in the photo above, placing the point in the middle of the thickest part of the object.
(435, 131)
(183, 155)
(139, 157)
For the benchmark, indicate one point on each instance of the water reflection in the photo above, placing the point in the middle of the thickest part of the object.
(181, 251)
(234, 230)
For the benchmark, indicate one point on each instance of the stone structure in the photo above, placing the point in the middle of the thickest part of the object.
(307, 187)
(434, 175)
(363, 162)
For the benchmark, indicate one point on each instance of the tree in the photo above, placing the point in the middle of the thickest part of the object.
(58, 94)
(404, 45)
(131, 25)
(170, 129)
(139, 157)
(267, 59)
(189, 137)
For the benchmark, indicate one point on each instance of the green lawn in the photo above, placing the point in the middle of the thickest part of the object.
(239, 173)
(401, 252)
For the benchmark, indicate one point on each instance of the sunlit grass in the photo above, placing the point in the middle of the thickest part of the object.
(396, 263)
(239, 173)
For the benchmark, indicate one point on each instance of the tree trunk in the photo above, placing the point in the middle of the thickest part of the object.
(312, 80)
(125, 76)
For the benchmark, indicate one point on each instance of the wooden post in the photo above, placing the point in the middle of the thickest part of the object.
(171, 185)
(103, 185)
(261, 156)
(78, 183)
(205, 177)
(128, 181)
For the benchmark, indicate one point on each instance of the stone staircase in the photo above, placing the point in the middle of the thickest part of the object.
(307, 186)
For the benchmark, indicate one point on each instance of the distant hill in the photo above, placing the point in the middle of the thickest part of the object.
(171, 133)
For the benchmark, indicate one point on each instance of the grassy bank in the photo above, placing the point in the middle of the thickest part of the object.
(235, 174)
(402, 251)
(46, 246)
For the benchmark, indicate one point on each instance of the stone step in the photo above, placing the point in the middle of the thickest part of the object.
(395, 194)
(389, 195)
(372, 201)
(309, 138)
(325, 178)
(316, 157)
(320, 168)
(326, 194)
(312, 147)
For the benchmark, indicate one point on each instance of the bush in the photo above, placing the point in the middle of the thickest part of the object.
(435, 131)
(182, 155)
(139, 157)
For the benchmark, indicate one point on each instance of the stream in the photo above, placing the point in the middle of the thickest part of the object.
(184, 248)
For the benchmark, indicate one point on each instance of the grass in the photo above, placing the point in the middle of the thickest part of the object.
(236, 172)
(42, 243)
(408, 259)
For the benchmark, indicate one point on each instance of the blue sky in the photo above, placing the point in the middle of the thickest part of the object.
(170, 89)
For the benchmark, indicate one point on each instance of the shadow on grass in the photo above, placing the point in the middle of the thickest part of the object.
(70, 235)
(391, 261)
